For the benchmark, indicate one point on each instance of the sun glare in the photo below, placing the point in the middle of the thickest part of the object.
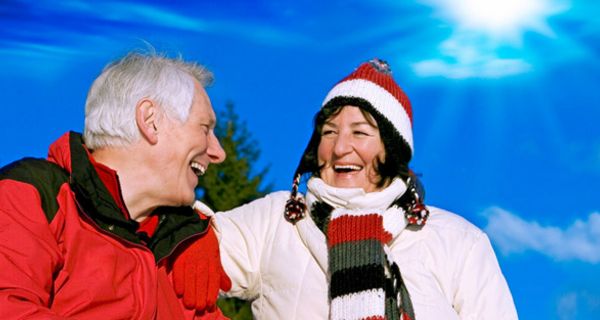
(501, 18)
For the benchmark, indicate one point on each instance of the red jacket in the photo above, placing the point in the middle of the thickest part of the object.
(67, 250)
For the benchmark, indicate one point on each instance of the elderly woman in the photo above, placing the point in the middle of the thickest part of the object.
(360, 244)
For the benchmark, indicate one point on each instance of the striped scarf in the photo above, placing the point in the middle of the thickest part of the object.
(365, 282)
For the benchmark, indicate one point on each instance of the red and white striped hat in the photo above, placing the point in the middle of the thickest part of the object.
(372, 85)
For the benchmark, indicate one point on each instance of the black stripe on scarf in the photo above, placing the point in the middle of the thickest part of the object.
(357, 279)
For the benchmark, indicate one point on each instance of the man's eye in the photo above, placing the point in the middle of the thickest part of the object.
(205, 128)
(361, 133)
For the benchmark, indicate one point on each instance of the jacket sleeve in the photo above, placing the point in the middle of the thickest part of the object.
(29, 254)
(482, 291)
(245, 233)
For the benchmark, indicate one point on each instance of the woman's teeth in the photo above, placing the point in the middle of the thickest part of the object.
(346, 168)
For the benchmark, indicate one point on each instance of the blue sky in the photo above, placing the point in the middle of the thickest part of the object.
(504, 93)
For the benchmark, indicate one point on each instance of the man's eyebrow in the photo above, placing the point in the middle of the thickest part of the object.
(212, 122)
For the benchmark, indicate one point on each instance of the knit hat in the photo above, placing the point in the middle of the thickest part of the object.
(371, 85)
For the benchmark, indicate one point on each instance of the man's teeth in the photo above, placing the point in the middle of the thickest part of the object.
(346, 168)
(198, 168)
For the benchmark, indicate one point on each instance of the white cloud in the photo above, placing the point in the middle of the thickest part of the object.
(191, 19)
(469, 56)
(513, 234)
(30, 49)
(165, 17)
(493, 68)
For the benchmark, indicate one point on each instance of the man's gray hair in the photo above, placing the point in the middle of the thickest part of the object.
(111, 102)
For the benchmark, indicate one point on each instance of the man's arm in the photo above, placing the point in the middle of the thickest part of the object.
(197, 272)
(29, 254)
(243, 234)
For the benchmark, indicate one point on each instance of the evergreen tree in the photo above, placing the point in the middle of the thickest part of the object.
(231, 184)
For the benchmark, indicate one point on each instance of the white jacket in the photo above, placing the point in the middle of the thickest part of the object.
(449, 266)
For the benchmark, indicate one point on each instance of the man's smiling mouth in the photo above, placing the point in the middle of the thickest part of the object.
(198, 168)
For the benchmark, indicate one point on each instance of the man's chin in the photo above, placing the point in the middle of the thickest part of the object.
(188, 201)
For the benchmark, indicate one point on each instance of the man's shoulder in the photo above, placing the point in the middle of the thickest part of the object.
(45, 176)
(32, 170)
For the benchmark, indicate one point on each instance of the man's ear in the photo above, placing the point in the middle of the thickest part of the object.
(146, 117)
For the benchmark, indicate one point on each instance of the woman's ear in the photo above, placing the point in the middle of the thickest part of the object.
(146, 118)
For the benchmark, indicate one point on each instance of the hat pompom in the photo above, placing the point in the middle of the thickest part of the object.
(295, 209)
(416, 211)
(381, 66)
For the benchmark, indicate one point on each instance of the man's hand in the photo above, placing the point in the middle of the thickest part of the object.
(198, 274)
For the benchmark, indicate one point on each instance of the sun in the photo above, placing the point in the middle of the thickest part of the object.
(501, 19)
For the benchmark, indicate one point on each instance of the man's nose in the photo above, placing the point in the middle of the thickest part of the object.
(215, 151)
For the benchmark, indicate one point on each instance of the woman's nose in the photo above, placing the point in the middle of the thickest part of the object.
(343, 145)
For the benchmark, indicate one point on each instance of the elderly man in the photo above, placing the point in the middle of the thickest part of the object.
(90, 232)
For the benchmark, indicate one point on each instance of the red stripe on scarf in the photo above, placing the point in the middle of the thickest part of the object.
(355, 228)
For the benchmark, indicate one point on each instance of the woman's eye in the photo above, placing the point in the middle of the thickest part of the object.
(327, 132)
(361, 133)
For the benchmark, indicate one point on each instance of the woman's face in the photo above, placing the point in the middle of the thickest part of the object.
(349, 149)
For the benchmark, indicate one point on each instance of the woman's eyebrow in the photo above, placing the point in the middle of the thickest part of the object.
(330, 124)
(361, 123)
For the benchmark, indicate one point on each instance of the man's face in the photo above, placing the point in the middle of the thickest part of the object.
(190, 147)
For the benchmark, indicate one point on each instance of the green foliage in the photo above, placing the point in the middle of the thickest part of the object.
(230, 184)
(235, 309)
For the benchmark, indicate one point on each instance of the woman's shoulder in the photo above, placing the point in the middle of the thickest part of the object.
(449, 224)
(446, 239)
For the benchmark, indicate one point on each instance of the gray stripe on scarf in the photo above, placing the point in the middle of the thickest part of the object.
(355, 254)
